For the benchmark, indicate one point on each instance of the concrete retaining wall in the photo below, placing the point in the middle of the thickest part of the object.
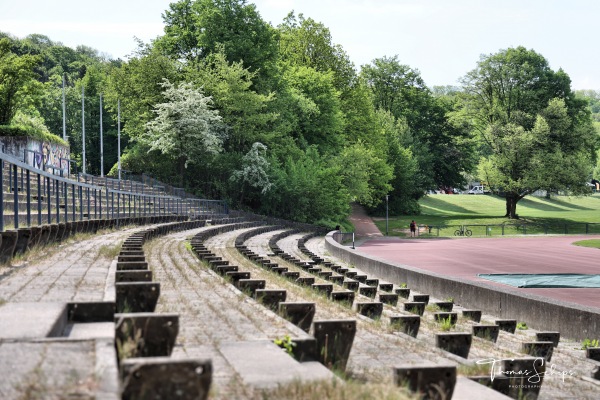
(573, 321)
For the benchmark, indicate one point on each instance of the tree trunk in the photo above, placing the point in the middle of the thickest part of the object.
(181, 167)
(511, 206)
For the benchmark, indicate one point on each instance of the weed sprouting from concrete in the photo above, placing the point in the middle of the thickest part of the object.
(337, 389)
(587, 343)
(109, 251)
(446, 324)
(522, 326)
(286, 343)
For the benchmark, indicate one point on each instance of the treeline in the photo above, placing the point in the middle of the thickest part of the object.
(273, 119)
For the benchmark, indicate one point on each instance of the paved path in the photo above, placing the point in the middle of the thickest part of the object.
(363, 224)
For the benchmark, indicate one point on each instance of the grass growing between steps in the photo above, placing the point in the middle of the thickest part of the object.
(452, 210)
(338, 390)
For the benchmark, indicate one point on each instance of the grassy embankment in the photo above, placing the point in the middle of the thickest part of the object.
(483, 213)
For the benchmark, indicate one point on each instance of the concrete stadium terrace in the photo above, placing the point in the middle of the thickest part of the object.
(465, 258)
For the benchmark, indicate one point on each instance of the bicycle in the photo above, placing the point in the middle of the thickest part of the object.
(463, 232)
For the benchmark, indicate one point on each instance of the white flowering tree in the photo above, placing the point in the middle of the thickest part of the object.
(254, 170)
(185, 127)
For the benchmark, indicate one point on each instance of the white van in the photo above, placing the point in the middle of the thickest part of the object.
(477, 190)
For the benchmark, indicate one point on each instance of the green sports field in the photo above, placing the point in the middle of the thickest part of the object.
(482, 214)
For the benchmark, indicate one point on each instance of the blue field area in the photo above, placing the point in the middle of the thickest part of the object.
(545, 280)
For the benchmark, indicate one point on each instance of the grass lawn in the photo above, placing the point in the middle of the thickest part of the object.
(483, 215)
(595, 243)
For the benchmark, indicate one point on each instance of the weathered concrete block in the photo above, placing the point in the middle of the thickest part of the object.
(507, 325)
(292, 275)
(520, 385)
(165, 378)
(444, 316)
(403, 292)
(593, 353)
(235, 276)
(250, 286)
(538, 349)
(224, 269)
(334, 342)
(368, 291)
(145, 334)
(432, 382)
(131, 258)
(456, 343)
(45, 236)
(408, 324)
(372, 282)
(313, 270)
(53, 237)
(137, 296)
(36, 236)
(487, 332)
(350, 274)
(299, 314)
(342, 271)
(128, 265)
(324, 288)
(92, 311)
(346, 297)
(305, 281)
(351, 284)
(445, 306)
(386, 287)
(337, 279)
(421, 298)
(473, 315)
(270, 298)
(414, 307)
(371, 309)
(553, 337)
(280, 270)
(325, 274)
(305, 349)
(596, 373)
(142, 275)
(388, 298)
(217, 263)
(362, 278)
(7, 245)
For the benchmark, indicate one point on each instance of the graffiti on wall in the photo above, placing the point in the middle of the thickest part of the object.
(47, 154)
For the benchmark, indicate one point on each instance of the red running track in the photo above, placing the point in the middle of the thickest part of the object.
(464, 258)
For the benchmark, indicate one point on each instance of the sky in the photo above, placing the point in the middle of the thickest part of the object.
(443, 39)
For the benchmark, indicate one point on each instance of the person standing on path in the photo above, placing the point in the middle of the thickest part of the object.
(413, 228)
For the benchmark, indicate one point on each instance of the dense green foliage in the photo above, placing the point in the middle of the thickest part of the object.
(277, 119)
(534, 132)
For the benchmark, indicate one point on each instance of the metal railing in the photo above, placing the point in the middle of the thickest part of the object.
(31, 196)
(481, 230)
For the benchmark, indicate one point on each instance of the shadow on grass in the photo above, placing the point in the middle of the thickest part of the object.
(552, 204)
(437, 205)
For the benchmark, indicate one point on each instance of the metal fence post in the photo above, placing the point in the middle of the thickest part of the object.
(28, 190)
(15, 197)
(39, 199)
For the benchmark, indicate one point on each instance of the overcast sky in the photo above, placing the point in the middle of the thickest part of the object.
(443, 39)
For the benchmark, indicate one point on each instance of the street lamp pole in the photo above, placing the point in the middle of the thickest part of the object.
(386, 214)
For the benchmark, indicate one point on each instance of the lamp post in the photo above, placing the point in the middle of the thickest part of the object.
(386, 214)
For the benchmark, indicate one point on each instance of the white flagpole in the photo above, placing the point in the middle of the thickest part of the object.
(101, 144)
(64, 109)
(119, 137)
(83, 127)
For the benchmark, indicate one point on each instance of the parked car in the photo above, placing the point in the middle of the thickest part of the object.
(477, 190)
